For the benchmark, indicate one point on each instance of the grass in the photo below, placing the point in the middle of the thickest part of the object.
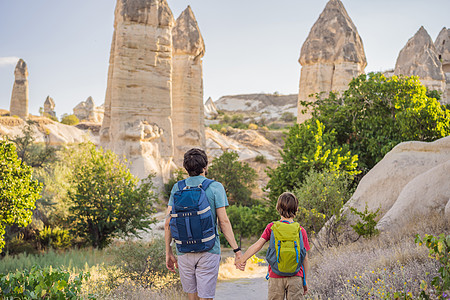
(375, 268)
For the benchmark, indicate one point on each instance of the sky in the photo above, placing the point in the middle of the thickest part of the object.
(252, 46)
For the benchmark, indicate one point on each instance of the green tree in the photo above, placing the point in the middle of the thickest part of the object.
(238, 178)
(107, 200)
(247, 221)
(376, 113)
(18, 190)
(69, 119)
(308, 147)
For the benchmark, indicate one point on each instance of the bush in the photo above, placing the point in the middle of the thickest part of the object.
(261, 159)
(237, 178)
(252, 126)
(246, 221)
(288, 117)
(366, 228)
(321, 196)
(178, 175)
(69, 119)
(55, 237)
(41, 283)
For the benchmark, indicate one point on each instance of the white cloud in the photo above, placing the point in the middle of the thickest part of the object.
(9, 60)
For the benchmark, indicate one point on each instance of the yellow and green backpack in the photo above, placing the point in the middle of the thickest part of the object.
(286, 250)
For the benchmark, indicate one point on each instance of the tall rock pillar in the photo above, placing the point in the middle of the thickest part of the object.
(19, 96)
(442, 45)
(331, 56)
(187, 86)
(419, 58)
(138, 103)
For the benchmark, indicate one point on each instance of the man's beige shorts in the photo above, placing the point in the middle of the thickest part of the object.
(291, 287)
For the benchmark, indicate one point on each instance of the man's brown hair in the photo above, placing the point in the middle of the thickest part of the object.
(195, 161)
(287, 205)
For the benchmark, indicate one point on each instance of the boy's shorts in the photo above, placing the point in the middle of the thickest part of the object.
(198, 273)
(292, 287)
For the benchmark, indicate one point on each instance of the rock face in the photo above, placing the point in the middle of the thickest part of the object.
(138, 103)
(412, 180)
(49, 107)
(87, 111)
(442, 45)
(210, 109)
(331, 56)
(19, 97)
(419, 58)
(187, 86)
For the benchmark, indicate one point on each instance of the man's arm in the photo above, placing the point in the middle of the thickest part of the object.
(171, 260)
(227, 230)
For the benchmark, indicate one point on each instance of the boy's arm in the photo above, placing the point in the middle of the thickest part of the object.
(252, 250)
(305, 272)
(171, 260)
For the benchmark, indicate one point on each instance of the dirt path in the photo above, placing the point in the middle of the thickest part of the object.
(242, 288)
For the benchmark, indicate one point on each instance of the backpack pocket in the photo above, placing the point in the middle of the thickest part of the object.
(287, 256)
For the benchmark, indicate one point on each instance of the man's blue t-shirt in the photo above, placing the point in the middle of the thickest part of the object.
(216, 196)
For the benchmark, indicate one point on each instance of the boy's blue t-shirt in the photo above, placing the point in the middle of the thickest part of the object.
(216, 196)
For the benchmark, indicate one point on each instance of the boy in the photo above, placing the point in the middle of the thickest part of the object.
(281, 286)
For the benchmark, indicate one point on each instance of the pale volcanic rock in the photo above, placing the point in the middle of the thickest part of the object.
(138, 104)
(187, 86)
(412, 179)
(19, 97)
(331, 56)
(442, 45)
(87, 111)
(419, 58)
(49, 107)
(210, 109)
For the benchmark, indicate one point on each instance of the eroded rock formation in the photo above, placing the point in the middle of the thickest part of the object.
(419, 58)
(49, 107)
(19, 96)
(331, 56)
(442, 45)
(87, 111)
(138, 103)
(187, 86)
(210, 108)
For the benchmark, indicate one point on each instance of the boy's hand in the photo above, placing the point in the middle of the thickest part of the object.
(171, 262)
(238, 261)
(305, 289)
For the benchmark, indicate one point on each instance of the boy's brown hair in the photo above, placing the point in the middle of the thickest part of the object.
(287, 205)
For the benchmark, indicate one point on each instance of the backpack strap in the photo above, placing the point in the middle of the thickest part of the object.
(181, 184)
(205, 184)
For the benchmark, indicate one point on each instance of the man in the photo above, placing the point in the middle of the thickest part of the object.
(199, 271)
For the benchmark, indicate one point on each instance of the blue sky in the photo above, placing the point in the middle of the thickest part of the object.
(252, 46)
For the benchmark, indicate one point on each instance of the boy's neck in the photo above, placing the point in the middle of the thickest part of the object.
(290, 220)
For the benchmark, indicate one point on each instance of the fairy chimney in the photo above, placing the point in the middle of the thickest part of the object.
(138, 104)
(442, 45)
(331, 56)
(19, 96)
(419, 58)
(49, 107)
(187, 86)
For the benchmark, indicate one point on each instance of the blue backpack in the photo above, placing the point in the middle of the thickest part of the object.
(192, 225)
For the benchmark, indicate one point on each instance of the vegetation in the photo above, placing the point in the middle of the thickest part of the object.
(238, 178)
(108, 200)
(365, 227)
(18, 190)
(246, 221)
(376, 113)
(69, 119)
(178, 175)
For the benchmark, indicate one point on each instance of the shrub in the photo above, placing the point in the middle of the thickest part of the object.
(238, 178)
(321, 196)
(41, 283)
(261, 159)
(288, 117)
(252, 126)
(178, 175)
(246, 221)
(69, 119)
(55, 237)
(366, 228)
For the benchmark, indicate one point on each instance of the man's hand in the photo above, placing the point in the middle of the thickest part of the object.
(171, 262)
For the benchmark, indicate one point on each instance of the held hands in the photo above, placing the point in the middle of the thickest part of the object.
(171, 262)
(239, 262)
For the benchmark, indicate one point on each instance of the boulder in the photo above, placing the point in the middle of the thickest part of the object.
(187, 86)
(19, 96)
(138, 103)
(331, 56)
(412, 179)
(419, 58)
